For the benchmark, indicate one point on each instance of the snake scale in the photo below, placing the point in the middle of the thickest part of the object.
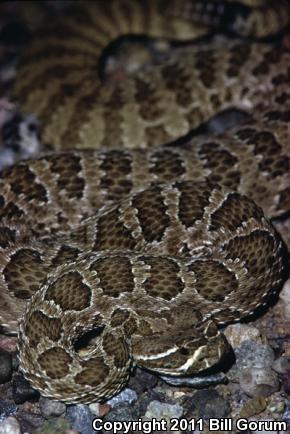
(136, 253)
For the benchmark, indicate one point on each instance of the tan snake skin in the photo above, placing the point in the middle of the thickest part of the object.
(152, 249)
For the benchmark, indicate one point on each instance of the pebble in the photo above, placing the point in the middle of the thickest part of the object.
(253, 407)
(127, 395)
(5, 367)
(258, 382)
(236, 334)
(80, 418)
(50, 408)
(122, 413)
(209, 404)
(10, 426)
(285, 297)
(251, 354)
(55, 426)
(161, 410)
(6, 408)
(99, 409)
(22, 391)
(282, 365)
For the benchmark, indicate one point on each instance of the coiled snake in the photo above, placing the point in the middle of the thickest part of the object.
(143, 250)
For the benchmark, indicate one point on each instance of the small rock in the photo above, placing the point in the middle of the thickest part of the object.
(161, 410)
(127, 395)
(10, 426)
(257, 382)
(282, 365)
(5, 367)
(236, 334)
(22, 391)
(276, 406)
(251, 354)
(50, 408)
(8, 343)
(6, 408)
(121, 413)
(209, 404)
(80, 418)
(285, 297)
(99, 409)
(53, 426)
(253, 407)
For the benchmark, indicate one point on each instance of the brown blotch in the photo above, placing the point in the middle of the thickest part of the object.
(55, 362)
(11, 212)
(111, 233)
(24, 272)
(115, 275)
(112, 136)
(7, 237)
(282, 78)
(40, 325)
(23, 182)
(246, 134)
(69, 292)
(233, 211)
(94, 372)
(157, 135)
(192, 201)
(270, 57)
(65, 254)
(239, 56)
(163, 281)
(130, 326)
(205, 65)
(147, 97)
(272, 162)
(279, 115)
(116, 347)
(213, 281)
(166, 165)
(68, 168)
(221, 163)
(116, 166)
(255, 249)
(151, 212)
(177, 80)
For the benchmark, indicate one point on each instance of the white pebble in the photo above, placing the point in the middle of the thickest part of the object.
(10, 426)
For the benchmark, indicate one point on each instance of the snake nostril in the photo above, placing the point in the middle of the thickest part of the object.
(86, 340)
